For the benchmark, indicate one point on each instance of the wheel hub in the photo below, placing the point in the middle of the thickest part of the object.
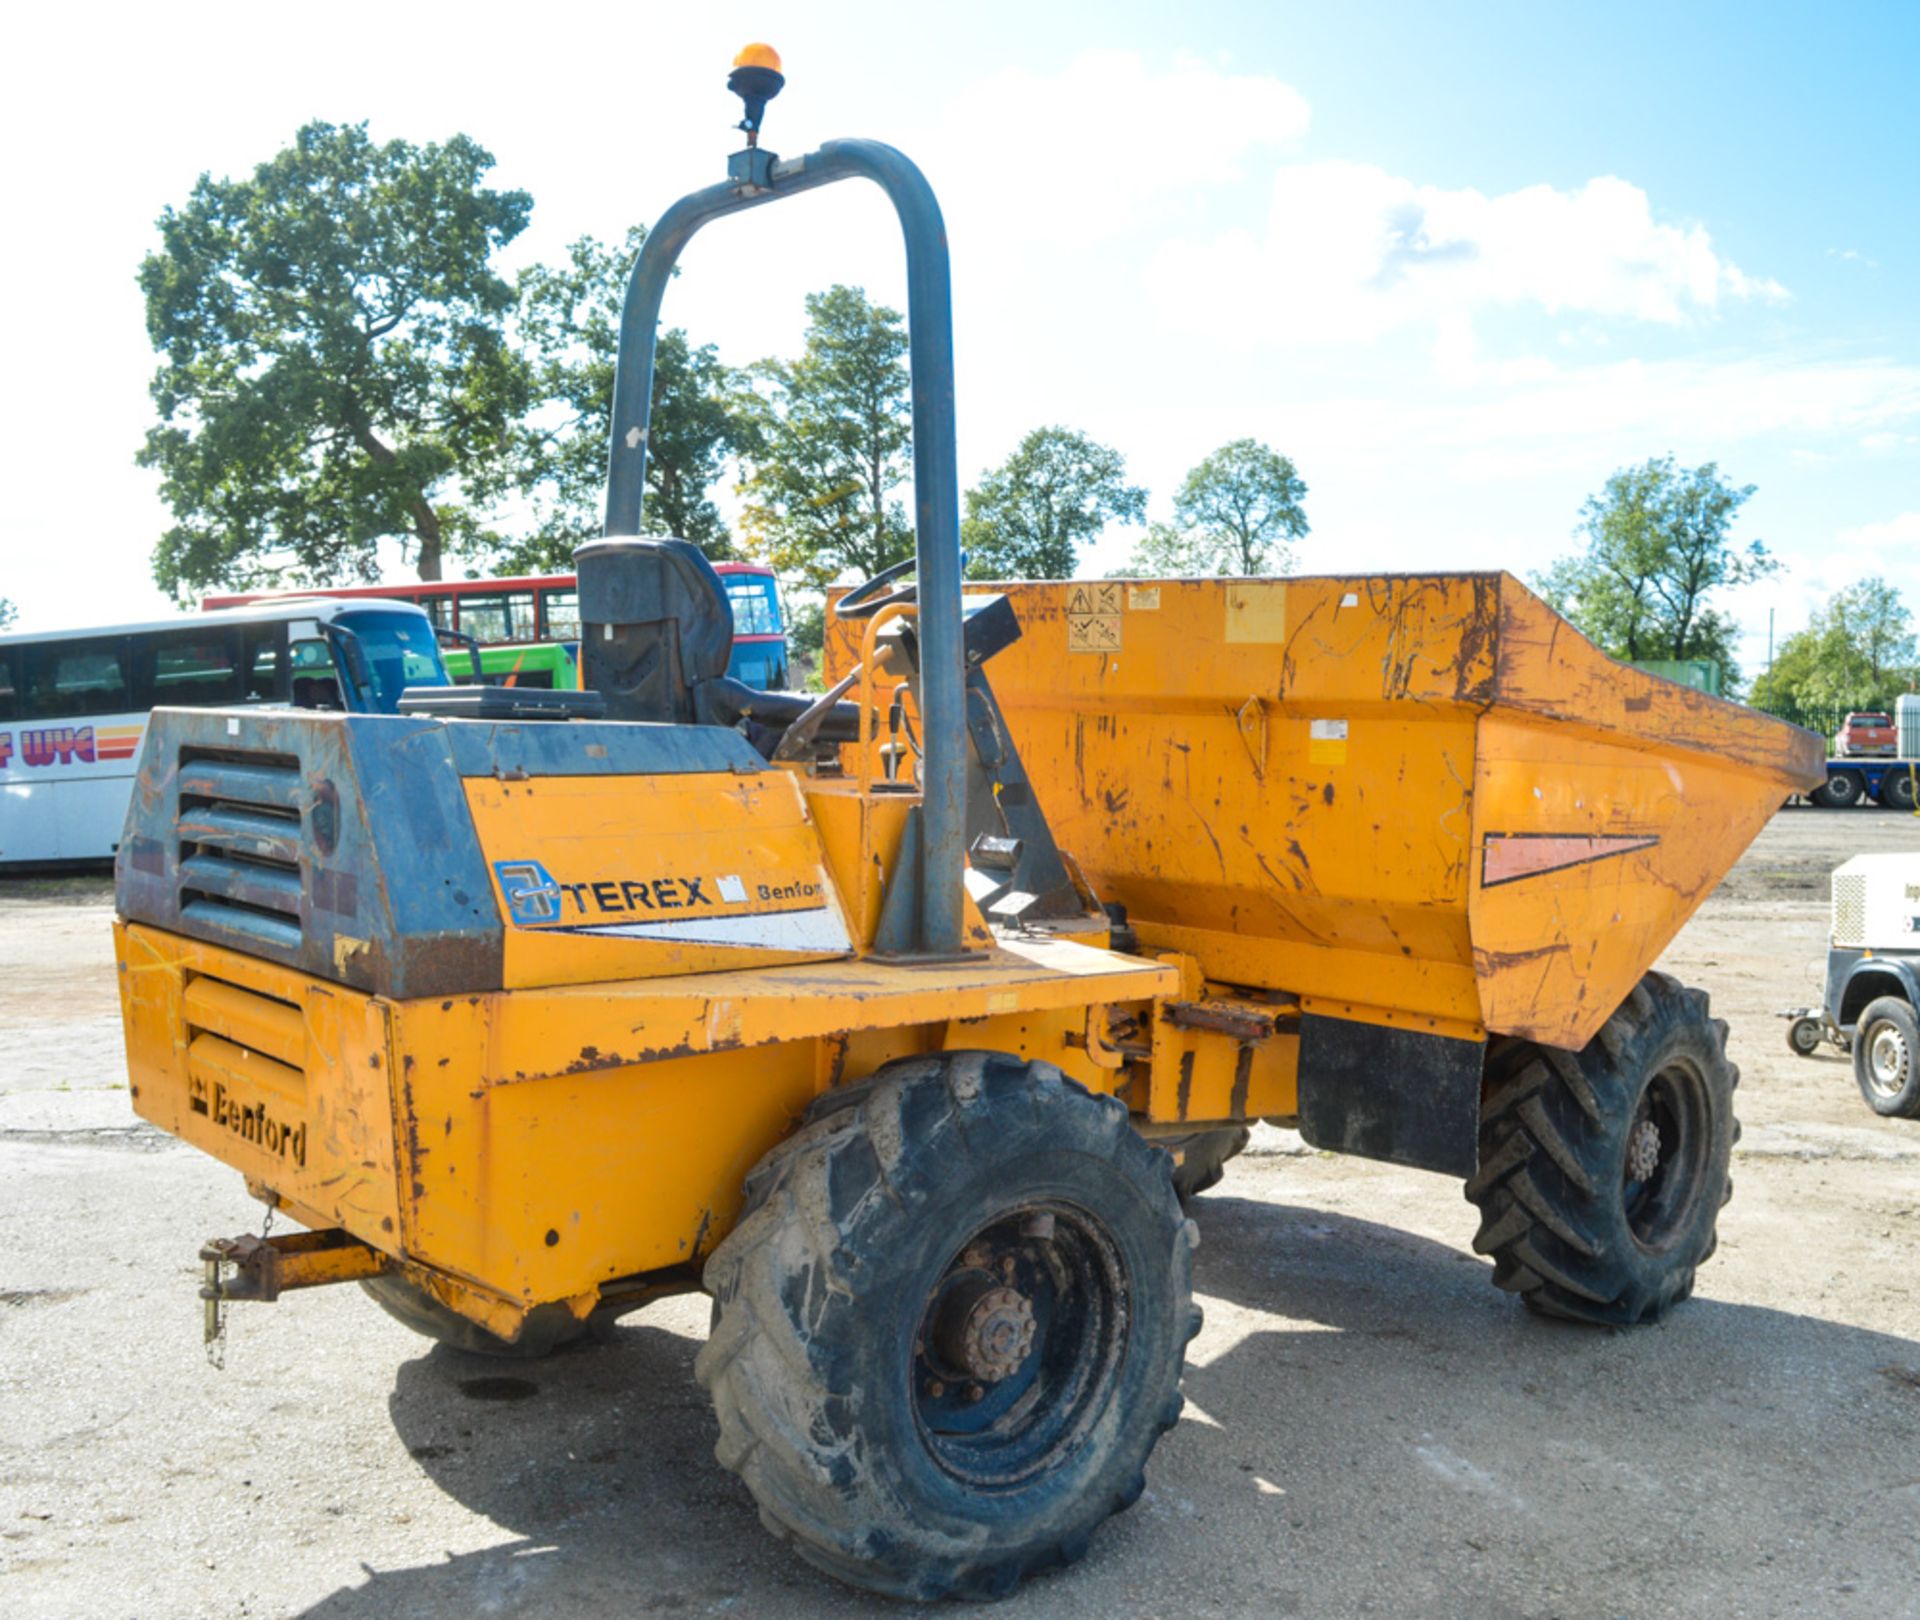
(1643, 1150)
(1888, 1058)
(986, 1332)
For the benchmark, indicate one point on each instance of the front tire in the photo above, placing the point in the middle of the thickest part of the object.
(950, 1325)
(1602, 1172)
(1803, 1037)
(1886, 1058)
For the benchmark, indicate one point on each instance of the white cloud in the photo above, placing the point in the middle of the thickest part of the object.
(1350, 251)
(1084, 153)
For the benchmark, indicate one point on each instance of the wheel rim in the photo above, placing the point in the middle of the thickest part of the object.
(1020, 1345)
(1806, 1036)
(1889, 1063)
(1667, 1153)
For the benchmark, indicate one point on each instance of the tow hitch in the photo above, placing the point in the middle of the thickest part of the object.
(264, 1268)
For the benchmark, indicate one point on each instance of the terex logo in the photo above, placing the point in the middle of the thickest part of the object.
(249, 1121)
(536, 899)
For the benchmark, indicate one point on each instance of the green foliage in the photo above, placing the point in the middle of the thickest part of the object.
(1235, 514)
(570, 327)
(1658, 548)
(334, 368)
(8, 612)
(807, 645)
(1858, 653)
(1029, 516)
(827, 445)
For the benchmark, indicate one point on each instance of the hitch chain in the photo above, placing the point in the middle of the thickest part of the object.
(213, 1329)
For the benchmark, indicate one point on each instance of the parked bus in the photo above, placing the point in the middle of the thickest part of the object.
(546, 607)
(544, 664)
(73, 703)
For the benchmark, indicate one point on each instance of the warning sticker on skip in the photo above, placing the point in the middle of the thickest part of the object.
(1093, 632)
(1327, 742)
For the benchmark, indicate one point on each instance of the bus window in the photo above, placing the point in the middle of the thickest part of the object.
(499, 617)
(262, 658)
(562, 610)
(9, 698)
(437, 608)
(73, 679)
(196, 667)
(400, 653)
(755, 612)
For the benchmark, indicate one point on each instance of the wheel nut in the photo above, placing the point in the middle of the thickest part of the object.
(975, 1392)
(935, 1389)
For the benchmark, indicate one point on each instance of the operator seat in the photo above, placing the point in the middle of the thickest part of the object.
(656, 632)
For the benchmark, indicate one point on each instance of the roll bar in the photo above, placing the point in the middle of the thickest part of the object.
(755, 177)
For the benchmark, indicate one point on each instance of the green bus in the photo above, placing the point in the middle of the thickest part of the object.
(546, 664)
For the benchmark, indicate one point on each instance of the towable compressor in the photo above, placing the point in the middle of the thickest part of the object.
(901, 1019)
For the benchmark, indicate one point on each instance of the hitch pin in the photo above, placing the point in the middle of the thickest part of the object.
(210, 1293)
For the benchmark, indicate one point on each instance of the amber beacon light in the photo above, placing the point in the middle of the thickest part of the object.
(756, 79)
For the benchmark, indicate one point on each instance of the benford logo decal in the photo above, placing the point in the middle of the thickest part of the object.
(249, 1121)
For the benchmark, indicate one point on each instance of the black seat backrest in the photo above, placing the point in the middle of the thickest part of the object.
(654, 624)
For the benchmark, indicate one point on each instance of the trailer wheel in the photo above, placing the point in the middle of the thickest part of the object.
(950, 1325)
(1602, 1172)
(1896, 789)
(547, 1328)
(1886, 1058)
(1843, 790)
(1202, 1158)
(1803, 1037)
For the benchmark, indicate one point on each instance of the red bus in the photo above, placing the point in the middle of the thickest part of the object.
(546, 607)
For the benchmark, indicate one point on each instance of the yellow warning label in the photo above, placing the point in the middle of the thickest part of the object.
(1257, 611)
(1094, 596)
(1093, 632)
(1143, 598)
(1326, 742)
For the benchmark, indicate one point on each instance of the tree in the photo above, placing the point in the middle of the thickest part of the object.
(1859, 652)
(1234, 514)
(335, 369)
(569, 323)
(8, 612)
(1658, 548)
(1028, 517)
(828, 444)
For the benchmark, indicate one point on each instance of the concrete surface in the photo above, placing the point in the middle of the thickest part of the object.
(1371, 1428)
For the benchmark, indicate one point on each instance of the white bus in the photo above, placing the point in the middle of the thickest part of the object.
(74, 703)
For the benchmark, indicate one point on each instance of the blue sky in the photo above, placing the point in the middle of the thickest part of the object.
(1460, 262)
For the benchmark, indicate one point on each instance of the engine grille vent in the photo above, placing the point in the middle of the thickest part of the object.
(241, 844)
(1850, 909)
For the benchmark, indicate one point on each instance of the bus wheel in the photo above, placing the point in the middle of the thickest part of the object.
(950, 1325)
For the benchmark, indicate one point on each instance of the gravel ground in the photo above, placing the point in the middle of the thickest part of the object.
(1371, 1428)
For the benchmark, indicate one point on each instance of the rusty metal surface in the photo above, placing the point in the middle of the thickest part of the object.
(1297, 783)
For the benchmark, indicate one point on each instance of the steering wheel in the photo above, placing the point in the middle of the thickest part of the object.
(862, 603)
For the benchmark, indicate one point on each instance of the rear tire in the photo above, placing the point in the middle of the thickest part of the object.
(1886, 1058)
(547, 1328)
(1200, 1160)
(950, 1325)
(1896, 790)
(1602, 1172)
